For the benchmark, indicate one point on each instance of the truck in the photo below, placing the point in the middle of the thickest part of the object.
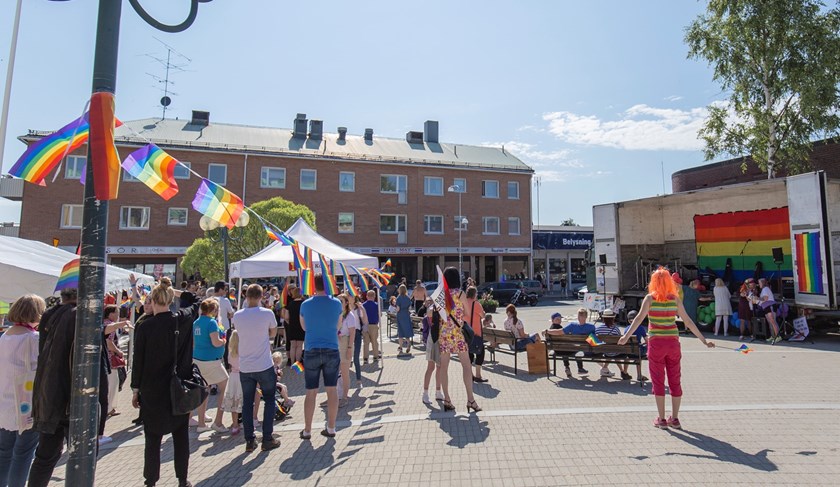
(785, 229)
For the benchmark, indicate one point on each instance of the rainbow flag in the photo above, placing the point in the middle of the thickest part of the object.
(349, 287)
(298, 367)
(284, 295)
(103, 151)
(330, 284)
(744, 349)
(386, 264)
(724, 236)
(69, 277)
(593, 340)
(217, 203)
(277, 236)
(809, 267)
(154, 168)
(43, 156)
(362, 280)
(307, 282)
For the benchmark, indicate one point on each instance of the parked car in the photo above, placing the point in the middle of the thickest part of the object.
(430, 286)
(502, 291)
(581, 291)
(532, 286)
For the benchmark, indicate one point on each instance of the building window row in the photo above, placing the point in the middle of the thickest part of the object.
(131, 217)
(432, 224)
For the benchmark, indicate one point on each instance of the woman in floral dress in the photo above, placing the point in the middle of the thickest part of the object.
(451, 341)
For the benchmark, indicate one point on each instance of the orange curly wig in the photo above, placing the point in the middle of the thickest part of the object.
(661, 286)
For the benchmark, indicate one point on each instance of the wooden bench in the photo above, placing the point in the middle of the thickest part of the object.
(500, 336)
(416, 323)
(571, 345)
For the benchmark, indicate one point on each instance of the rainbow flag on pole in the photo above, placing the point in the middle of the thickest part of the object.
(330, 284)
(217, 203)
(362, 280)
(103, 151)
(307, 282)
(809, 266)
(277, 235)
(154, 168)
(744, 349)
(349, 287)
(593, 340)
(284, 295)
(69, 277)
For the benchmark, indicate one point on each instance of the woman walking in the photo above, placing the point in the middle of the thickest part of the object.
(404, 329)
(431, 334)
(661, 306)
(452, 342)
(208, 349)
(346, 340)
(723, 306)
(476, 316)
(294, 332)
(18, 358)
(163, 343)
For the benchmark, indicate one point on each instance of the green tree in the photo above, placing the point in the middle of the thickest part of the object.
(779, 63)
(569, 222)
(205, 255)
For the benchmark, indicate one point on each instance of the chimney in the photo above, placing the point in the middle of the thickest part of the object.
(342, 134)
(413, 137)
(369, 135)
(316, 129)
(200, 118)
(430, 132)
(299, 126)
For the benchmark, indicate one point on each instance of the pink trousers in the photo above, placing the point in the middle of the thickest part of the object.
(664, 357)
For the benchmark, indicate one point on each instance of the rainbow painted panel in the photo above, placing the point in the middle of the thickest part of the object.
(809, 271)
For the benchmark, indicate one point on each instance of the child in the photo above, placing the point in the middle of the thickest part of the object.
(277, 357)
(232, 401)
(392, 305)
(488, 323)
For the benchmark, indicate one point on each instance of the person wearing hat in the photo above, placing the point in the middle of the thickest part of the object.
(641, 336)
(608, 328)
(745, 306)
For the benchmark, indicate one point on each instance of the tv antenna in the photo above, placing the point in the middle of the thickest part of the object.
(178, 64)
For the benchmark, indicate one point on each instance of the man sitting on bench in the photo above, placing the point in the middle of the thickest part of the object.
(609, 329)
(579, 328)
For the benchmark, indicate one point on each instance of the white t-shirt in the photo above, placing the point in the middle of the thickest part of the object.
(252, 325)
(224, 309)
(15, 352)
(767, 293)
(351, 321)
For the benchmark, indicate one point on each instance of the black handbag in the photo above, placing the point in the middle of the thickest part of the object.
(186, 394)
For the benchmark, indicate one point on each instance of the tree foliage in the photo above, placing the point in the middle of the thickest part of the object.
(779, 63)
(205, 255)
(569, 222)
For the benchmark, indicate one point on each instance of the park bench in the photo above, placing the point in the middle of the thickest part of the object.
(498, 337)
(576, 347)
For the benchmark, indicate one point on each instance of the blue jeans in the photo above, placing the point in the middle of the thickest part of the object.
(524, 342)
(357, 350)
(320, 360)
(267, 381)
(16, 452)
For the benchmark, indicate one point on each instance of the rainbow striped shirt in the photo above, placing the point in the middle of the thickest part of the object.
(662, 316)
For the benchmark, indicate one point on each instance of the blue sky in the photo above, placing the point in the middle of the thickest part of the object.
(596, 96)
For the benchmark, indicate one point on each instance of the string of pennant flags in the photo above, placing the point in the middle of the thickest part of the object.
(155, 168)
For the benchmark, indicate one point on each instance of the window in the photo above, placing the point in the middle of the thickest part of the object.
(177, 216)
(308, 179)
(346, 223)
(272, 177)
(491, 225)
(433, 186)
(391, 223)
(73, 167)
(513, 226)
(71, 216)
(460, 226)
(490, 189)
(461, 183)
(433, 224)
(347, 181)
(127, 177)
(390, 183)
(182, 172)
(217, 173)
(513, 190)
(134, 217)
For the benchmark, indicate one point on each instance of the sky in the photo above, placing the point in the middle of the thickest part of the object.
(598, 97)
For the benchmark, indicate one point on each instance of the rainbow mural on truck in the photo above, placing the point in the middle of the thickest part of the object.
(723, 236)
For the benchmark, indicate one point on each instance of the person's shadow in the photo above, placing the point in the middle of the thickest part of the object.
(722, 451)
(236, 472)
(463, 430)
(306, 460)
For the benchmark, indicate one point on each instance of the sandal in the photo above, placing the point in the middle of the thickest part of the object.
(326, 433)
(447, 406)
(304, 436)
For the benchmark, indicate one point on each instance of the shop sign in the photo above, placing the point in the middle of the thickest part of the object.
(134, 250)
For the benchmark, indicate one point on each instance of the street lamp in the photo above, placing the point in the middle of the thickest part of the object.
(209, 224)
(461, 223)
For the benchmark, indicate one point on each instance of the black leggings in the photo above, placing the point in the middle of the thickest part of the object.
(47, 455)
(181, 454)
(103, 400)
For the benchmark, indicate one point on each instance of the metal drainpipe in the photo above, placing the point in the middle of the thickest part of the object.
(244, 177)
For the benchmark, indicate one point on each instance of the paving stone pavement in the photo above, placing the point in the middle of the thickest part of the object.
(769, 417)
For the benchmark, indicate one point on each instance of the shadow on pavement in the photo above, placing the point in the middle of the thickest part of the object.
(306, 460)
(601, 384)
(723, 451)
(236, 472)
(463, 430)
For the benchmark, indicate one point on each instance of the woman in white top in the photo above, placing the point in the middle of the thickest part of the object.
(723, 306)
(18, 358)
(346, 340)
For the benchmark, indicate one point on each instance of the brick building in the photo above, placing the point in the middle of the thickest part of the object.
(380, 196)
(825, 156)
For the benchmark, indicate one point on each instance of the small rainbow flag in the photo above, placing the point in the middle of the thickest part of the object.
(277, 236)
(744, 349)
(349, 287)
(809, 267)
(284, 295)
(362, 279)
(154, 168)
(307, 282)
(330, 285)
(69, 277)
(217, 203)
(386, 264)
(298, 367)
(302, 257)
(593, 340)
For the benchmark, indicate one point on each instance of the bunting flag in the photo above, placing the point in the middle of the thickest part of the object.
(330, 285)
(362, 280)
(386, 264)
(593, 340)
(154, 168)
(284, 295)
(217, 203)
(307, 282)
(103, 151)
(277, 235)
(809, 267)
(41, 157)
(69, 277)
(349, 287)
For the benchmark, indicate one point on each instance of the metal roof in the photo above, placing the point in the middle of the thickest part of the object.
(279, 141)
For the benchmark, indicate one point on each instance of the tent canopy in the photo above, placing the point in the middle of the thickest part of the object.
(28, 266)
(276, 260)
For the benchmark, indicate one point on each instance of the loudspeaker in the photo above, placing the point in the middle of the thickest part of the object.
(778, 255)
(602, 259)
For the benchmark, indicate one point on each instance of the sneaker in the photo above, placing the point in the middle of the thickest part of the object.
(439, 396)
(426, 399)
(674, 423)
(256, 424)
(288, 403)
(607, 373)
(271, 444)
(568, 372)
(251, 445)
(741, 338)
(234, 430)
(660, 423)
(626, 376)
(219, 428)
(105, 439)
(642, 378)
(365, 361)
(202, 429)
(582, 371)
(777, 339)
(193, 422)
(769, 340)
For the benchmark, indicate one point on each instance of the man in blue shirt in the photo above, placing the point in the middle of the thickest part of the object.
(371, 334)
(579, 328)
(320, 317)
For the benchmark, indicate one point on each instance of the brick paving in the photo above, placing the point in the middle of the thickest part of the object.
(769, 417)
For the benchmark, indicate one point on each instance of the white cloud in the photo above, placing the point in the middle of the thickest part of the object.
(549, 165)
(641, 127)
(673, 98)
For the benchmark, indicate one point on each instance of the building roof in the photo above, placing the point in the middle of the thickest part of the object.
(183, 134)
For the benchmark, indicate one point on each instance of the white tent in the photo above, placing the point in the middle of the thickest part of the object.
(28, 266)
(276, 260)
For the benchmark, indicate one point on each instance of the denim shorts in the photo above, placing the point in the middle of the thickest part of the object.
(320, 360)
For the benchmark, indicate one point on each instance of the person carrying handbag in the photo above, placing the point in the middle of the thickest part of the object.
(476, 317)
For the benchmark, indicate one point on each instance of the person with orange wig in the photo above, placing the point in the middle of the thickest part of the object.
(661, 306)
